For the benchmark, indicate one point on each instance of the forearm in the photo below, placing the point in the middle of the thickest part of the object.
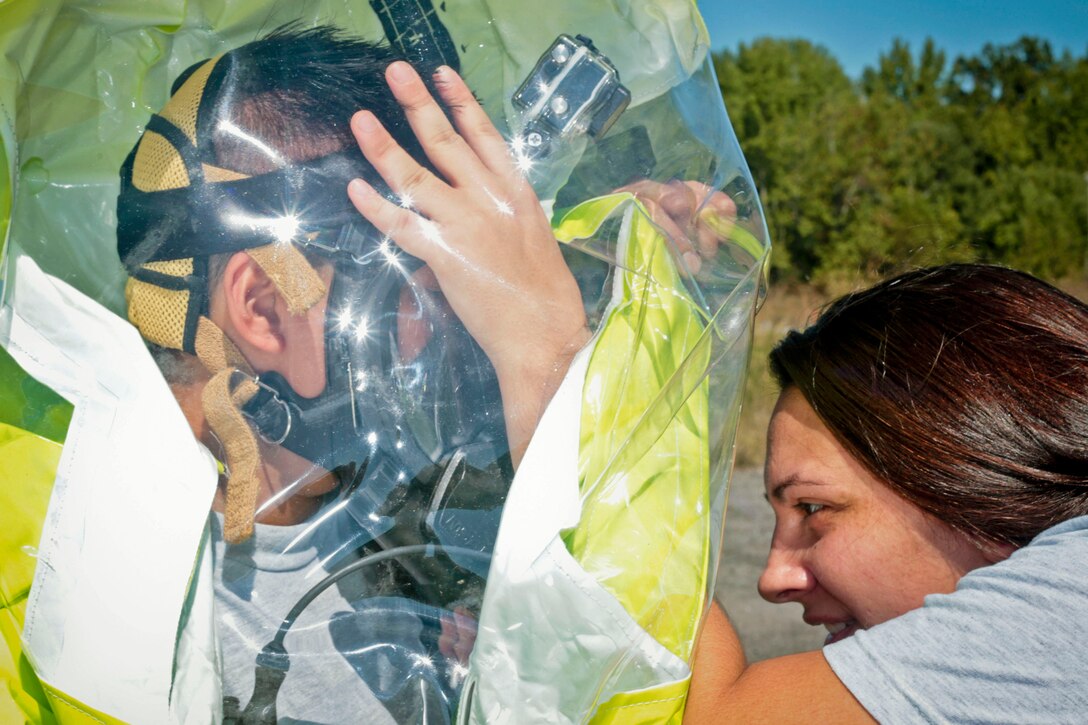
(798, 688)
(527, 386)
(718, 665)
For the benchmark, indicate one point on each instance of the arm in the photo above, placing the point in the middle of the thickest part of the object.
(795, 688)
(481, 229)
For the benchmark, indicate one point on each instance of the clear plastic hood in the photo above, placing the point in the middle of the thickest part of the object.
(378, 533)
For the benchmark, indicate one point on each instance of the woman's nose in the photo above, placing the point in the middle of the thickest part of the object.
(785, 577)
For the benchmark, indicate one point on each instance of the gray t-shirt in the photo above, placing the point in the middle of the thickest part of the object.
(1010, 645)
(352, 658)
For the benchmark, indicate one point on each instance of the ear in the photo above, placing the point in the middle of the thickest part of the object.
(251, 311)
(244, 305)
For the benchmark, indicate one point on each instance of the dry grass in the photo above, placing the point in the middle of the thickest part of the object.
(1078, 287)
(785, 309)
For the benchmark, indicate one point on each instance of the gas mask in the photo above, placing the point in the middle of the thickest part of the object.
(408, 392)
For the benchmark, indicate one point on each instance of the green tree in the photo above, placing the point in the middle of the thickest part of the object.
(1025, 116)
(917, 162)
(907, 153)
(787, 99)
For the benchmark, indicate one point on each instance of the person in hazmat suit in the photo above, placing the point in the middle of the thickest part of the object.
(313, 358)
(363, 373)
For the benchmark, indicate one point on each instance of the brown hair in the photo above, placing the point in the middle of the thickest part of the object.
(963, 387)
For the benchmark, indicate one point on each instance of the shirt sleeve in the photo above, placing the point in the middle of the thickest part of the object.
(1009, 645)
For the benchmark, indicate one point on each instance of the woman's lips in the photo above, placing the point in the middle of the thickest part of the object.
(837, 631)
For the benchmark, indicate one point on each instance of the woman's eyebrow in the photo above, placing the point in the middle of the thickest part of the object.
(778, 493)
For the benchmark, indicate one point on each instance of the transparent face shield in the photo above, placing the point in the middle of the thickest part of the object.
(411, 425)
(382, 574)
(407, 388)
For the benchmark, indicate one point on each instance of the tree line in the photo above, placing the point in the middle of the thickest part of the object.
(918, 162)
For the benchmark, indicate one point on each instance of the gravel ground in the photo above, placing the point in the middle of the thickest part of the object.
(767, 630)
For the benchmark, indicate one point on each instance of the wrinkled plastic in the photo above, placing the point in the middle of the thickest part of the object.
(431, 582)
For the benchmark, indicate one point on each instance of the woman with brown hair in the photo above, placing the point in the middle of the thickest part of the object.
(928, 469)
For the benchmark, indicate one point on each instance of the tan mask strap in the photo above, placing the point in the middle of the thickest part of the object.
(222, 410)
(293, 276)
(216, 350)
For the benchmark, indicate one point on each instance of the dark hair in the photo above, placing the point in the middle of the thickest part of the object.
(293, 92)
(963, 387)
(276, 112)
(296, 90)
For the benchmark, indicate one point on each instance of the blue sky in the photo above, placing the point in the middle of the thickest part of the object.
(858, 31)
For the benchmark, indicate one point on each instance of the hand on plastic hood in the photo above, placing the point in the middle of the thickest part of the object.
(697, 218)
(483, 232)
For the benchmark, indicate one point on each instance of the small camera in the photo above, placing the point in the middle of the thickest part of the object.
(572, 90)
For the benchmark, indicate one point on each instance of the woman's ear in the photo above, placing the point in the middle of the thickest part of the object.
(244, 305)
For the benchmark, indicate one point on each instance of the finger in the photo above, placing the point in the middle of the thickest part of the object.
(679, 202)
(644, 189)
(463, 649)
(672, 205)
(466, 623)
(449, 153)
(711, 198)
(416, 235)
(416, 186)
(703, 192)
(475, 126)
(466, 626)
(709, 238)
(680, 241)
(681, 244)
(715, 221)
(447, 637)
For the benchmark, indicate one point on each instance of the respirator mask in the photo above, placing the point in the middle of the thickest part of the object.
(408, 391)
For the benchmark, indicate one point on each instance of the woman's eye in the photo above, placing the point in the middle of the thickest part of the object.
(809, 508)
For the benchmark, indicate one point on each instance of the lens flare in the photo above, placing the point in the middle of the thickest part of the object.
(519, 148)
(281, 228)
(362, 329)
(343, 319)
(389, 252)
(504, 207)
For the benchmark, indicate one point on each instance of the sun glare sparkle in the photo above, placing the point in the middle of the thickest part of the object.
(228, 127)
(343, 319)
(524, 163)
(285, 228)
(504, 207)
(362, 329)
(458, 672)
(431, 232)
(282, 228)
(388, 252)
(422, 660)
